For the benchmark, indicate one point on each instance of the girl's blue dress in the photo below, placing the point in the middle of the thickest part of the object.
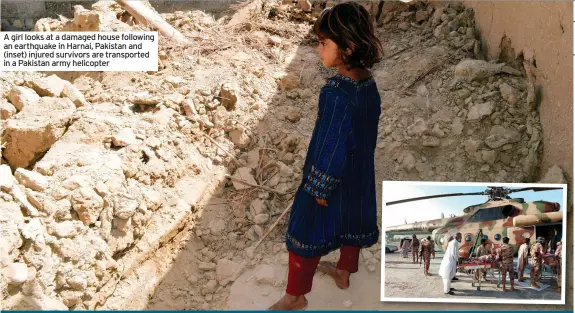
(339, 167)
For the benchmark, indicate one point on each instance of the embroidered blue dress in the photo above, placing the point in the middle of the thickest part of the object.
(339, 167)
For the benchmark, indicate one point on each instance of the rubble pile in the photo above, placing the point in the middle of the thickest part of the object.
(107, 181)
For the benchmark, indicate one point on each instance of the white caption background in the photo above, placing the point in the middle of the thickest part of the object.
(79, 51)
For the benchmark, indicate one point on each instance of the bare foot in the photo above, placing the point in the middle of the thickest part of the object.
(504, 290)
(512, 288)
(341, 277)
(290, 303)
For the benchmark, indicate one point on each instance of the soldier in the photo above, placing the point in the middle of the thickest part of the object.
(415, 249)
(426, 251)
(404, 248)
(536, 261)
(505, 255)
(558, 254)
(522, 259)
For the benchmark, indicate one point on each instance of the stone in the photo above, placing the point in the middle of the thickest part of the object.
(289, 82)
(125, 205)
(481, 110)
(16, 273)
(457, 126)
(243, 173)
(419, 127)
(554, 175)
(404, 26)
(88, 204)
(239, 137)
(508, 93)
(421, 16)
(35, 129)
(189, 107)
(488, 156)
(65, 229)
(124, 137)
(144, 98)
(51, 86)
(220, 117)
(22, 96)
(207, 266)
(71, 92)
(471, 146)
(175, 81)
(6, 178)
(499, 136)
(228, 96)
(7, 110)
(257, 207)
(293, 114)
(261, 219)
(408, 162)
(437, 132)
(217, 226)
(31, 179)
(226, 271)
(265, 274)
(431, 142)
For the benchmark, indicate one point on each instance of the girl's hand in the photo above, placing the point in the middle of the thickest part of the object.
(321, 202)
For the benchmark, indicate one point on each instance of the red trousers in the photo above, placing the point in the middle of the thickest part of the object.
(301, 269)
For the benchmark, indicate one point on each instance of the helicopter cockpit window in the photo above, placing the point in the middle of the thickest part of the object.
(488, 214)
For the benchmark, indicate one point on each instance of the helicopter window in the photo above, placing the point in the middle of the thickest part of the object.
(489, 214)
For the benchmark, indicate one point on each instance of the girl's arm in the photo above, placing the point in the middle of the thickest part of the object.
(330, 153)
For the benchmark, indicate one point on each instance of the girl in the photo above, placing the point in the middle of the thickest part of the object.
(335, 205)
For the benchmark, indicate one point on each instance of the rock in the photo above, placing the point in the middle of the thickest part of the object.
(10, 217)
(51, 86)
(71, 92)
(408, 162)
(471, 146)
(152, 199)
(220, 116)
(16, 273)
(217, 226)
(239, 137)
(293, 114)
(437, 132)
(125, 205)
(431, 142)
(243, 173)
(189, 107)
(153, 142)
(457, 126)
(207, 266)
(22, 96)
(144, 98)
(17, 24)
(419, 127)
(265, 274)
(78, 283)
(289, 82)
(488, 156)
(175, 81)
(261, 219)
(404, 26)
(347, 304)
(228, 96)
(35, 129)
(65, 229)
(499, 136)
(421, 16)
(88, 204)
(554, 175)
(366, 254)
(257, 207)
(508, 93)
(124, 137)
(481, 110)
(7, 110)
(288, 158)
(227, 271)
(6, 178)
(479, 69)
(32, 180)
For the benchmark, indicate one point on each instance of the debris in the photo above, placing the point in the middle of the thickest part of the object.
(479, 69)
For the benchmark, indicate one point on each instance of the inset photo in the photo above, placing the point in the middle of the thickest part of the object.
(473, 242)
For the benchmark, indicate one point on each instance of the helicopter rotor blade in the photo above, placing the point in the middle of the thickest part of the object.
(536, 189)
(436, 196)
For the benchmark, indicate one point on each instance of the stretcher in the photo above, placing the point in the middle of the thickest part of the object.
(475, 268)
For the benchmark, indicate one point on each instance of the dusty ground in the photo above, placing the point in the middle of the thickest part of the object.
(130, 168)
(404, 279)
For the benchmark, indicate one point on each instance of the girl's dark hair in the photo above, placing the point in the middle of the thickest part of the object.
(349, 25)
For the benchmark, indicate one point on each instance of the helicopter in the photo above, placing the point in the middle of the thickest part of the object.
(500, 216)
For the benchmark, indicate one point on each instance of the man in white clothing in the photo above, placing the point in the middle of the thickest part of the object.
(448, 266)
